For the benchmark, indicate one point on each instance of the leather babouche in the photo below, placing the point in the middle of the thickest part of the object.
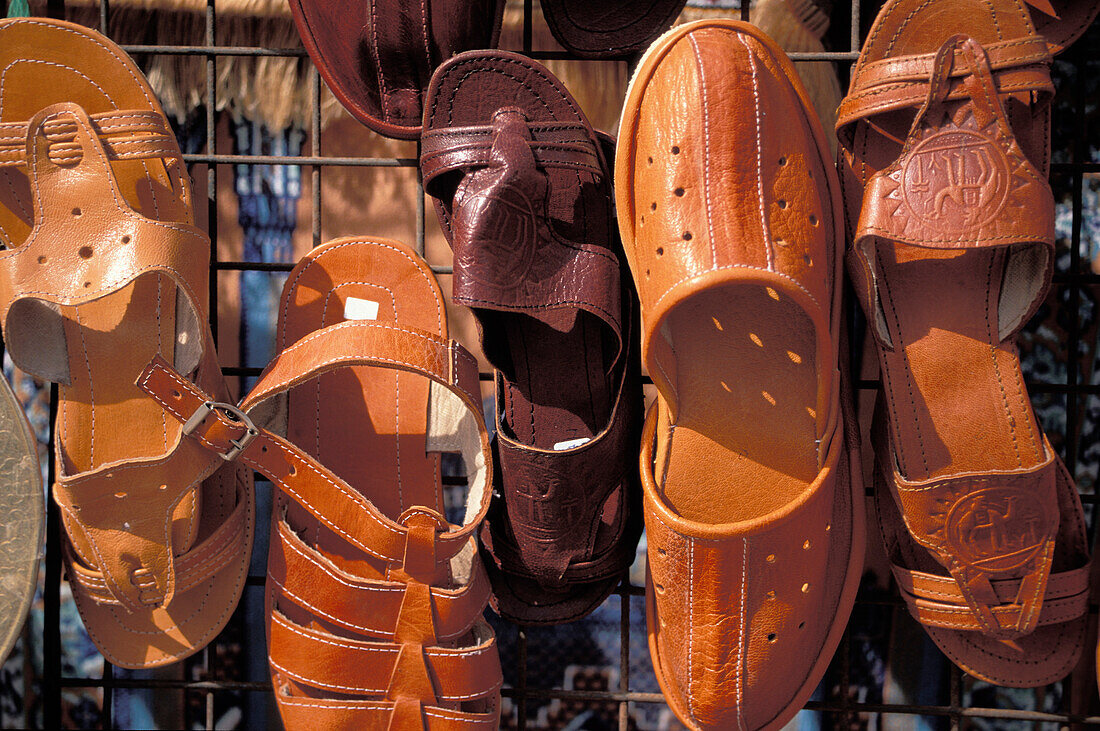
(377, 56)
(944, 150)
(102, 270)
(375, 588)
(731, 218)
(523, 191)
(609, 28)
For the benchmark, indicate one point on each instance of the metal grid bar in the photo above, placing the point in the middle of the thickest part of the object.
(520, 692)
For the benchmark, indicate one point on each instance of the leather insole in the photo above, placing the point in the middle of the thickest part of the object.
(557, 388)
(745, 439)
(956, 396)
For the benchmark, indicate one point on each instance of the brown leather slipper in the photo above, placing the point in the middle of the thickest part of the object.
(378, 55)
(610, 28)
(749, 460)
(103, 270)
(374, 596)
(23, 505)
(523, 191)
(952, 254)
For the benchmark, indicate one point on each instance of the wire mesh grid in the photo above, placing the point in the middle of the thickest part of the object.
(841, 710)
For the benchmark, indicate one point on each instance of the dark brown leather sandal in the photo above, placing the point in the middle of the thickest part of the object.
(377, 57)
(610, 28)
(522, 188)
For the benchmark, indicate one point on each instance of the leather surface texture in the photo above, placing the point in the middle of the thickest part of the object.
(103, 270)
(731, 218)
(953, 237)
(611, 28)
(522, 186)
(377, 56)
(1061, 22)
(375, 589)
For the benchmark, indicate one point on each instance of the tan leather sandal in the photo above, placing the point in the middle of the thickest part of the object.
(103, 269)
(375, 598)
(953, 249)
(753, 504)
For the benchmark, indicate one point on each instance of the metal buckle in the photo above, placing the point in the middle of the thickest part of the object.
(232, 413)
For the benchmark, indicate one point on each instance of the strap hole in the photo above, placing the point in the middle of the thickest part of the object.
(768, 397)
(125, 239)
(652, 206)
(660, 251)
(41, 260)
(263, 448)
(85, 252)
(675, 150)
(660, 589)
(806, 545)
(662, 552)
(716, 323)
(772, 637)
(828, 527)
(783, 160)
(643, 219)
(77, 212)
(795, 357)
(162, 488)
(679, 192)
(806, 588)
(687, 236)
(802, 625)
(120, 495)
(87, 284)
(293, 470)
(126, 526)
(771, 595)
(813, 220)
(650, 160)
(782, 203)
(756, 340)
(806, 258)
(770, 558)
(725, 386)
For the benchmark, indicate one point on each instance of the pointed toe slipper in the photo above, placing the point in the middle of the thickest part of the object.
(753, 504)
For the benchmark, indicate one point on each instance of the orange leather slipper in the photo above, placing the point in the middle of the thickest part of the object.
(103, 269)
(754, 514)
(375, 597)
(952, 254)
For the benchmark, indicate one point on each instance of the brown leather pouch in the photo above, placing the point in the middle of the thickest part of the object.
(522, 188)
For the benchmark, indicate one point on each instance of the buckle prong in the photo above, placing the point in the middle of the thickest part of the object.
(233, 414)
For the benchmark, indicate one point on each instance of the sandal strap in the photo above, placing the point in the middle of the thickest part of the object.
(553, 144)
(359, 668)
(307, 712)
(367, 606)
(229, 431)
(124, 134)
(937, 601)
(1020, 65)
(72, 256)
(191, 569)
(961, 185)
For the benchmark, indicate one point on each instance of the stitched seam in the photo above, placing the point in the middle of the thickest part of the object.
(706, 147)
(764, 223)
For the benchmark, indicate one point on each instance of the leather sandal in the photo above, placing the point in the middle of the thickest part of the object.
(952, 253)
(23, 505)
(753, 505)
(610, 28)
(374, 597)
(378, 56)
(103, 269)
(523, 191)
